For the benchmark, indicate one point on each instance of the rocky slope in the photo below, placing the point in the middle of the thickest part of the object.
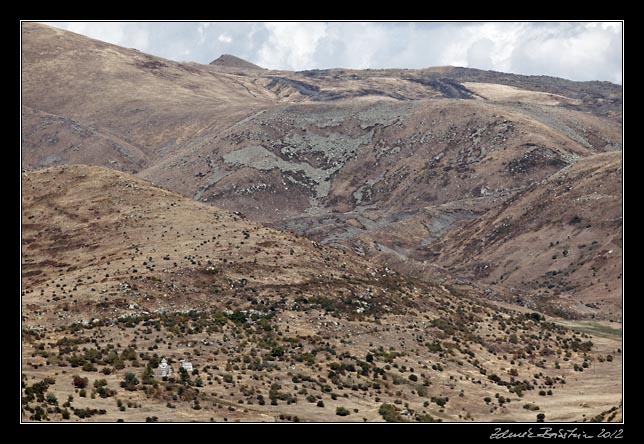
(558, 244)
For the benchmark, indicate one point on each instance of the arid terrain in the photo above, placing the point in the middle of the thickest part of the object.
(273, 322)
(424, 245)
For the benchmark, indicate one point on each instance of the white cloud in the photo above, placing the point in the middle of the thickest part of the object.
(225, 38)
(578, 50)
(201, 30)
(291, 45)
(482, 45)
(611, 26)
(479, 53)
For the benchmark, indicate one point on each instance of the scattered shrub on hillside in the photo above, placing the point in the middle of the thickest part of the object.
(341, 411)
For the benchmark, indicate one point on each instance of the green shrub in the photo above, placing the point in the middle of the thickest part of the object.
(89, 367)
(51, 399)
(390, 413)
(130, 382)
(277, 352)
(341, 411)
(87, 412)
(426, 418)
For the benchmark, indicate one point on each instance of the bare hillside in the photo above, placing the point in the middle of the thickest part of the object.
(119, 274)
(383, 163)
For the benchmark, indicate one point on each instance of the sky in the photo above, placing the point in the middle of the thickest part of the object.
(572, 50)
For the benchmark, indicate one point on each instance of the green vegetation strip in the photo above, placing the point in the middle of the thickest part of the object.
(592, 328)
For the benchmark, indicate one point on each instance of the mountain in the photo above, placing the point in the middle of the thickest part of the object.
(324, 245)
(230, 61)
(384, 163)
(558, 245)
(140, 107)
(119, 274)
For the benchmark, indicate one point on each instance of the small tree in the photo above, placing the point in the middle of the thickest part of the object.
(541, 417)
(148, 375)
(185, 376)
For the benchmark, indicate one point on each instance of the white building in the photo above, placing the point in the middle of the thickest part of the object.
(164, 369)
(185, 364)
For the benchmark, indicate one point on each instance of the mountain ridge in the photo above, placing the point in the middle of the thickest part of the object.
(231, 61)
(387, 161)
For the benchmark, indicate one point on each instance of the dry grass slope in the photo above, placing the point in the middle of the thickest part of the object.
(278, 328)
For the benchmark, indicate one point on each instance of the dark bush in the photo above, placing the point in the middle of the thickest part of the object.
(130, 382)
(341, 411)
(441, 401)
(80, 382)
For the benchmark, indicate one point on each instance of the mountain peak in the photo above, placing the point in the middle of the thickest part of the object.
(233, 62)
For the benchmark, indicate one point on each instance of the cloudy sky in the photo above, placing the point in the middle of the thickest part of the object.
(573, 50)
